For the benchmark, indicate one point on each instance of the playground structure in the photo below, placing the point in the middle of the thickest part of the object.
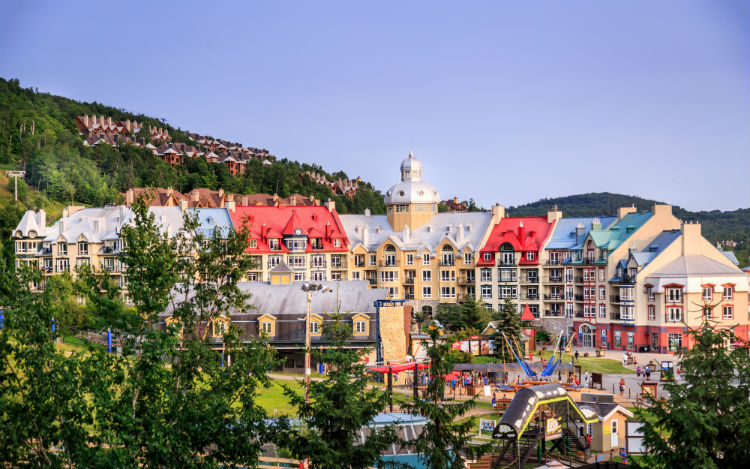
(539, 414)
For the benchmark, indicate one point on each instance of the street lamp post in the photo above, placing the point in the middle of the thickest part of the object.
(15, 175)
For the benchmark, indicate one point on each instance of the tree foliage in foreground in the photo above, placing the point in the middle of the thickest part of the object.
(705, 422)
(507, 321)
(340, 406)
(166, 401)
(445, 441)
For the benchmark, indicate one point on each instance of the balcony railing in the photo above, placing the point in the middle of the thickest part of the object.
(507, 280)
(551, 262)
(556, 314)
(447, 262)
(389, 263)
(555, 296)
(503, 263)
(578, 297)
(578, 279)
(618, 317)
(533, 280)
(579, 314)
(408, 280)
(555, 279)
(373, 281)
(531, 297)
(467, 280)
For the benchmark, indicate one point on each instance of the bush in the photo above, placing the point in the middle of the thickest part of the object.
(543, 336)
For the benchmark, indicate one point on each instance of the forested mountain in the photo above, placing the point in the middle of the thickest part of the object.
(716, 225)
(38, 134)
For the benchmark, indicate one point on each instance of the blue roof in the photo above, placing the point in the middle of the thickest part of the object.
(656, 246)
(564, 235)
(390, 418)
(730, 255)
(210, 219)
(615, 235)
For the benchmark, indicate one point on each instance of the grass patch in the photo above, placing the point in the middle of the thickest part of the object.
(594, 364)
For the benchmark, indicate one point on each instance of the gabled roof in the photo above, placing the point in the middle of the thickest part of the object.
(664, 239)
(730, 255)
(564, 234)
(692, 271)
(94, 224)
(32, 221)
(615, 235)
(265, 223)
(523, 233)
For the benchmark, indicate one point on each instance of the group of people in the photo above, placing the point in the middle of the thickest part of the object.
(645, 371)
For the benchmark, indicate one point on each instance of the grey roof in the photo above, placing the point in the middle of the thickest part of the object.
(564, 234)
(695, 266)
(352, 296)
(93, 224)
(730, 255)
(464, 230)
(33, 221)
(168, 219)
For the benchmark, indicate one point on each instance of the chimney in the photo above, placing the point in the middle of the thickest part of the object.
(498, 213)
(367, 212)
(596, 224)
(293, 200)
(86, 120)
(109, 121)
(129, 197)
(407, 233)
(460, 238)
(662, 210)
(195, 195)
(622, 211)
(230, 205)
(221, 192)
(61, 225)
(521, 232)
(691, 236)
(183, 205)
(42, 219)
(330, 205)
(365, 236)
(101, 120)
(455, 200)
(580, 230)
(553, 214)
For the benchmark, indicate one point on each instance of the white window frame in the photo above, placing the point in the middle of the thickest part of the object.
(724, 310)
(728, 293)
(426, 292)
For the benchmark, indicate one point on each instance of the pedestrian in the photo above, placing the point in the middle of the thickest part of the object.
(588, 445)
(638, 371)
(625, 359)
(576, 356)
(494, 400)
(586, 380)
(635, 361)
(622, 386)
(578, 383)
(648, 372)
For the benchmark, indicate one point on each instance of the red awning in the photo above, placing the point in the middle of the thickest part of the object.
(397, 368)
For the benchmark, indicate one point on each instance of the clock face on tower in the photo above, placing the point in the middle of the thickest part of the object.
(298, 231)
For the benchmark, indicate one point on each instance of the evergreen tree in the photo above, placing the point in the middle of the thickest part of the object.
(705, 421)
(445, 441)
(470, 316)
(340, 406)
(507, 323)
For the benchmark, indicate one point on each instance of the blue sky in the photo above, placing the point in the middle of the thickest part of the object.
(504, 102)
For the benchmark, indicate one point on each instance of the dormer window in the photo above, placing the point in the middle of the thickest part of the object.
(220, 326)
(530, 256)
(316, 243)
(62, 249)
(273, 245)
(337, 243)
(253, 243)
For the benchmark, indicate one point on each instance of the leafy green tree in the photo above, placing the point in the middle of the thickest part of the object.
(445, 440)
(705, 421)
(470, 315)
(340, 406)
(507, 323)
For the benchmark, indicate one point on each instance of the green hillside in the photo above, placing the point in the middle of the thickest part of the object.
(716, 225)
(38, 134)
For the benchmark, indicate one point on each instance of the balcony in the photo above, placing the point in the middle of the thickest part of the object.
(579, 314)
(555, 297)
(389, 263)
(554, 314)
(506, 263)
(467, 280)
(408, 280)
(531, 297)
(589, 261)
(618, 317)
(551, 262)
(555, 279)
(578, 279)
(578, 297)
(507, 280)
(447, 262)
(532, 280)
(318, 265)
(373, 281)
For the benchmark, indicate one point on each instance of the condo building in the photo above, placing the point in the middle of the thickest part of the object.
(414, 252)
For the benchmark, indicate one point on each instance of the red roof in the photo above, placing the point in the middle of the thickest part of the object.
(527, 316)
(525, 234)
(265, 223)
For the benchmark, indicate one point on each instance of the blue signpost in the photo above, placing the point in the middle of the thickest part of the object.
(109, 340)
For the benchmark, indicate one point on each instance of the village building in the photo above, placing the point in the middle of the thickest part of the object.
(310, 240)
(278, 311)
(608, 431)
(414, 252)
(509, 265)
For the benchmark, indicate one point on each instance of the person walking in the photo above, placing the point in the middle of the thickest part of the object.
(625, 359)
(494, 401)
(647, 372)
(586, 380)
(622, 386)
(576, 356)
(638, 371)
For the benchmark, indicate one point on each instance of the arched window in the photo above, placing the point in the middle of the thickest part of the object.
(507, 256)
(390, 256)
(427, 310)
(446, 256)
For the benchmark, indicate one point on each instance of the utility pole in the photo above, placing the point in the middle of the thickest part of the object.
(15, 175)
(309, 288)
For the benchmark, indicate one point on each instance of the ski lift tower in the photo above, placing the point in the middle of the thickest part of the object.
(15, 175)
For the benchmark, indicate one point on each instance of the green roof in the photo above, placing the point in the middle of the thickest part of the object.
(615, 235)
